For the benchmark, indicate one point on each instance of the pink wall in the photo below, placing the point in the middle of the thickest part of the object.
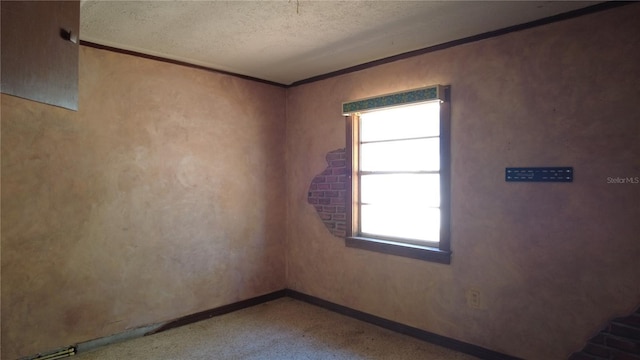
(552, 261)
(161, 197)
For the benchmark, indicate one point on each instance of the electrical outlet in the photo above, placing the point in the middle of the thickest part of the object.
(473, 299)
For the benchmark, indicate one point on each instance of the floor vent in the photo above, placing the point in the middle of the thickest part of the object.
(59, 354)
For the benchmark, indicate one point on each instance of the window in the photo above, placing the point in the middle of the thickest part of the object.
(399, 157)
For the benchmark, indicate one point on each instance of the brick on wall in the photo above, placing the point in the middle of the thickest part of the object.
(328, 193)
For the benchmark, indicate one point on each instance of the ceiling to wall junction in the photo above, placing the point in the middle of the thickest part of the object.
(285, 41)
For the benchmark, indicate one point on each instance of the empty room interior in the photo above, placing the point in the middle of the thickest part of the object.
(212, 157)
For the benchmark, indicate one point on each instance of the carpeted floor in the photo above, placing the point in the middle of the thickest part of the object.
(280, 329)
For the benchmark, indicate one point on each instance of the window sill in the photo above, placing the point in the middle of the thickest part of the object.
(400, 249)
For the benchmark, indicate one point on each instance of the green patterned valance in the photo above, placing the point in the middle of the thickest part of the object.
(428, 93)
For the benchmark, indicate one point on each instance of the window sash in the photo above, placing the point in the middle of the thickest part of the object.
(391, 222)
(407, 155)
(403, 217)
(422, 188)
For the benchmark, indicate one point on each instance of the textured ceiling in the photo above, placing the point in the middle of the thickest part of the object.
(287, 40)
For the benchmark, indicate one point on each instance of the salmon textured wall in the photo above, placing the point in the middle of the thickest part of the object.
(160, 197)
(552, 261)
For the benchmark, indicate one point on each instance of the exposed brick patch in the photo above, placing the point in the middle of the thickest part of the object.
(327, 193)
(619, 340)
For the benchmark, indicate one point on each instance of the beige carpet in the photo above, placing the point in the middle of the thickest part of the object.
(280, 329)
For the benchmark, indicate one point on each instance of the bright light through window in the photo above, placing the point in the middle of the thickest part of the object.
(399, 172)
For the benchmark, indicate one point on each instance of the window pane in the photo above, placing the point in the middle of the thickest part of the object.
(400, 190)
(405, 155)
(401, 123)
(411, 222)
